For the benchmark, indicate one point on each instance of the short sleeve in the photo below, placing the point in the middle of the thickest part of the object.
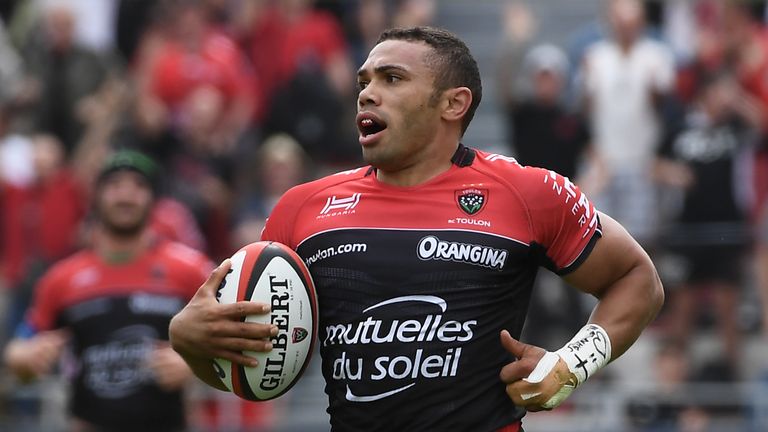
(43, 312)
(191, 266)
(279, 225)
(564, 223)
(200, 270)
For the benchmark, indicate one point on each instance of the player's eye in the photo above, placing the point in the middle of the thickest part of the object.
(393, 79)
(361, 85)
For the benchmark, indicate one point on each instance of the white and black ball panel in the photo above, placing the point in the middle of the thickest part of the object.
(271, 273)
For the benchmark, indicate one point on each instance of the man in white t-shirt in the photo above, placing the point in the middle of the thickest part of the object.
(625, 77)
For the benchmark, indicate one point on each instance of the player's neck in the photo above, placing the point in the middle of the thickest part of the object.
(413, 175)
(119, 249)
(426, 167)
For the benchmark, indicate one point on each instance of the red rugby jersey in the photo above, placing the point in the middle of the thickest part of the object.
(116, 314)
(415, 283)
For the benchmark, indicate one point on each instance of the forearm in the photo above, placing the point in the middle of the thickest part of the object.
(628, 306)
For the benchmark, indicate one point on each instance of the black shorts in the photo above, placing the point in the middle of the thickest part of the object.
(714, 263)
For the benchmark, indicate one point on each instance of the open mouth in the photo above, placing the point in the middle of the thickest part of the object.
(369, 124)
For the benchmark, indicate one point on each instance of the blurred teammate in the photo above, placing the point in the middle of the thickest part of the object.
(112, 303)
(435, 247)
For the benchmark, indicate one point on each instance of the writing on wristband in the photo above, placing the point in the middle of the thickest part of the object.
(587, 352)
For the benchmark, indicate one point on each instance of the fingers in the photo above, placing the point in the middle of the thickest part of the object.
(236, 349)
(239, 329)
(539, 396)
(205, 328)
(243, 309)
(211, 285)
(225, 336)
(517, 370)
(209, 288)
(524, 393)
(527, 358)
(546, 391)
(236, 357)
(512, 345)
(240, 344)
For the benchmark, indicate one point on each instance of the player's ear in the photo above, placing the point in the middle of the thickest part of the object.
(457, 102)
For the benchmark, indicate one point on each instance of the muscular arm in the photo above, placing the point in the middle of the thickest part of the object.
(621, 275)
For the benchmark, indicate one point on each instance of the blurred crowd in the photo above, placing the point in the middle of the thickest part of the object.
(236, 100)
(658, 109)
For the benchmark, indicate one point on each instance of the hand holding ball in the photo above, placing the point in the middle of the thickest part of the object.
(271, 273)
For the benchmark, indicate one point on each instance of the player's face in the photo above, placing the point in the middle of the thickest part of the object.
(398, 118)
(124, 200)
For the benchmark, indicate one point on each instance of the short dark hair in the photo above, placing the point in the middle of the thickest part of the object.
(131, 160)
(452, 62)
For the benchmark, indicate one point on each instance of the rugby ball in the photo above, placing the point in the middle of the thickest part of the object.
(271, 273)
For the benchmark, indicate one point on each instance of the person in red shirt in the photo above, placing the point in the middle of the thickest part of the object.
(303, 71)
(424, 263)
(111, 305)
(194, 79)
(292, 35)
(30, 238)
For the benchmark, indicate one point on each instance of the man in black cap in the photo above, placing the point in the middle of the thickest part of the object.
(111, 304)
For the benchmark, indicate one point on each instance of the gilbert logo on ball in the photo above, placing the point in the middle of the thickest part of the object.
(271, 273)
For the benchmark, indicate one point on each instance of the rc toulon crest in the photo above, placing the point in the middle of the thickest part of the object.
(471, 200)
(299, 334)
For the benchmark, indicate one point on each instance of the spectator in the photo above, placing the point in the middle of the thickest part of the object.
(303, 66)
(710, 234)
(746, 48)
(11, 69)
(545, 134)
(279, 165)
(672, 405)
(370, 17)
(637, 72)
(659, 409)
(290, 36)
(191, 112)
(62, 77)
(519, 29)
(41, 220)
(132, 20)
(189, 68)
(412, 13)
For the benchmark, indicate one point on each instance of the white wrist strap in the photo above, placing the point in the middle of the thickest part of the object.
(587, 352)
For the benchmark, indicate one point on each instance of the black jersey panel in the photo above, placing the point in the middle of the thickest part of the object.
(113, 338)
(416, 315)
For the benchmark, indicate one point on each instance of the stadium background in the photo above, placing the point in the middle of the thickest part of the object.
(264, 101)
